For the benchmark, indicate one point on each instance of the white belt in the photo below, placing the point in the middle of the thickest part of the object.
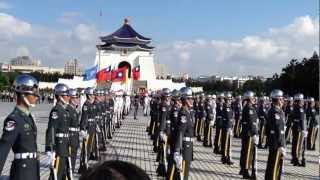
(90, 120)
(25, 155)
(244, 122)
(103, 113)
(272, 132)
(261, 117)
(296, 120)
(168, 122)
(188, 139)
(74, 129)
(62, 135)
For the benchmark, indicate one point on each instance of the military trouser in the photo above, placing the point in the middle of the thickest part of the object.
(146, 110)
(262, 134)
(74, 145)
(288, 133)
(156, 141)
(83, 156)
(217, 140)
(274, 165)
(135, 112)
(92, 147)
(312, 137)
(236, 128)
(207, 140)
(153, 127)
(174, 173)
(201, 129)
(246, 156)
(226, 145)
(163, 157)
(149, 128)
(196, 126)
(297, 139)
(62, 168)
(23, 169)
(108, 125)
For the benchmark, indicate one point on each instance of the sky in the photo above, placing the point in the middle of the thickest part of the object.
(199, 37)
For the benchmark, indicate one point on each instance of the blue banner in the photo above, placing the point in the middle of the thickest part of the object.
(90, 74)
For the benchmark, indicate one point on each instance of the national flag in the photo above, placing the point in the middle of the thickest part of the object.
(119, 75)
(136, 73)
(90, 74)
(125, 75)
(104, 74)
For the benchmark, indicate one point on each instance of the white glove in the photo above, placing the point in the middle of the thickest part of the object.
(211, 123)
(255, 139)
(83, 134)
(178, 160)
(98, 129)
(229, 130)
(282, 150)
(162, 136)
(317, 126)
(49, 158)
(305, 134)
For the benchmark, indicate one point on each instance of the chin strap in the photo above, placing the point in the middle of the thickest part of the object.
(63, 101)
(27, 101)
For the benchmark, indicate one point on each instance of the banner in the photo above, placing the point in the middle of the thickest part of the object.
(90, 74)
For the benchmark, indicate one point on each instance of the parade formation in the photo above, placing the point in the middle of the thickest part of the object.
(177, 119)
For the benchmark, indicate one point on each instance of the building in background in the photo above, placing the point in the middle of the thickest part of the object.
(73, 67)
(24, 61)
(25, 64)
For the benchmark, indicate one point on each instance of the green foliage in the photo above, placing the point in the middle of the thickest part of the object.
(255, 85)
(297, 76)
(4, 81)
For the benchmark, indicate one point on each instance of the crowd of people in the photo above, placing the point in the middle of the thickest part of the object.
(85, 121)
(10, 96)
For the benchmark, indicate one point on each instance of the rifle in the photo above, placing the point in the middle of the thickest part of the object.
(84, 155)
(70, 174)
(230, 145)
(255, 165)
(164, 146)
(53, 171)
(303, 161)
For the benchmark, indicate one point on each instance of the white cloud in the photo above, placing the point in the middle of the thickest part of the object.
(11, 26)
(52, 46)
(255, 54)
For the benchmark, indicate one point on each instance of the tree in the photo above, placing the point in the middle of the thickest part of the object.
(4, 81)
(255, 85)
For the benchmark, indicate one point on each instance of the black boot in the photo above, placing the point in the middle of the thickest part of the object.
(245, 174)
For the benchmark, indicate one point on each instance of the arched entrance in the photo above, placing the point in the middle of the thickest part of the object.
(125, 64)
